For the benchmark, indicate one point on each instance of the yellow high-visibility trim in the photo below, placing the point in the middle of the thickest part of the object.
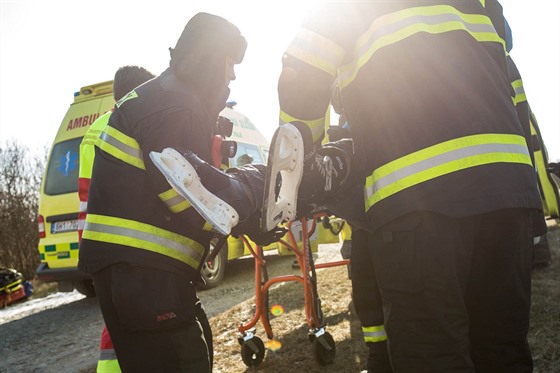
(374, 333)
(394, 27)
(143, 236)
(317, 51)
(174, 201)
(317, 126)
(441, 159)
(87, 146)
(207, 227)
(520, 95)
(129, 96)
(121, 146)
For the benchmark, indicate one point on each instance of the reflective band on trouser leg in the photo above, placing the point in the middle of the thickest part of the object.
(441, 159)
(174, 201)
(317, 126)
(108, 362)
(121, 146)
(394, 27)
(520, 95)
(143, 236)
(374, 333)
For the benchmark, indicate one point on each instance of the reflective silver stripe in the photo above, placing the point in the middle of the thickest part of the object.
(108, 354)
(316, 50)
(374, 333)
(127, 149)
(519, 90)
(394, 27)
(444, 158)
(129, 236)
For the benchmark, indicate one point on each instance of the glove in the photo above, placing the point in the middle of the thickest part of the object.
(326, 171)
(338, 133)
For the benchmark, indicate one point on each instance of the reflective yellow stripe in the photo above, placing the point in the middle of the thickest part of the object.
(121, 146)
(108, 366)
(317, 126)
(87, 146)
(394, 27)
(551, 205)
(520, 95)
(317, 51)
(143, 236)
(207, 227)
(108, 362)
(442, 159)
(174, 201)
(374, 333)
(128, 96)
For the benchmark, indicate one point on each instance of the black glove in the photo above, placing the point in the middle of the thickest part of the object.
(326, 171)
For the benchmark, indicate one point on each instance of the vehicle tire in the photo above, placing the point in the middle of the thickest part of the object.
(213, 272)
(85, 287)
(324, 349)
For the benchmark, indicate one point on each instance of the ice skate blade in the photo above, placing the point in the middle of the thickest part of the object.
(285, 157)
(182, 176)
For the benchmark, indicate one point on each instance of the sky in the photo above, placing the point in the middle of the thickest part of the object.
(49, 49)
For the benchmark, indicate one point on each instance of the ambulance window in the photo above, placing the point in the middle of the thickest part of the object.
(63, 167)
(252, 150)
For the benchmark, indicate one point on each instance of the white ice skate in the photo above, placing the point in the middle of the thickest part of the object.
(182, 176)
(285, 157)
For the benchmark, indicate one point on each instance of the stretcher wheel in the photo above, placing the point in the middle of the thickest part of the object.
(324, 349)
(252, 352)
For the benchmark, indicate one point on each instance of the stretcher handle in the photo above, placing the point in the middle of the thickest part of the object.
(221, 241)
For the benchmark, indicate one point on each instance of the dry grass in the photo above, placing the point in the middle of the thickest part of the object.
(296, 353)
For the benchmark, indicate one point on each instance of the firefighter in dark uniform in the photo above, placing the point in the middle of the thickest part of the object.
(449, 186)
(541, 253)
(365, 292)
(142, 242)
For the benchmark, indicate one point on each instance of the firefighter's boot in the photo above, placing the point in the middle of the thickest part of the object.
(223, 199)
(283, 176)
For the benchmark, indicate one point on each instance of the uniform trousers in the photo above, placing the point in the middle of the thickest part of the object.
(156, 322)
(456, 291)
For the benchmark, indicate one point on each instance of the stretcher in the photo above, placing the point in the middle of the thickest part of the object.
(283, 177)
(252, 346)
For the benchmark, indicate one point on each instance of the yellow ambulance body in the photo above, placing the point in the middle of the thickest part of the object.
(59, 202)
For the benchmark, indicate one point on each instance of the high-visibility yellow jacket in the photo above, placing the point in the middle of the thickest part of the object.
(426, 93)
(87, 155)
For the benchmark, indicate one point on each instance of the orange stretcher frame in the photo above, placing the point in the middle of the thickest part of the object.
(252, 347)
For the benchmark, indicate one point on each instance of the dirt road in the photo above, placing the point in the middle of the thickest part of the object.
(66, 338)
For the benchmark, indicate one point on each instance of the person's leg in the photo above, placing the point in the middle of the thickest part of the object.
(422, 261)
(107, 362)
(368, 303)
(499, 293)
(203, 320)
(151, 318)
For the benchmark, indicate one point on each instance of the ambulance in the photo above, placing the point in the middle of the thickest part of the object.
(59, 202)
